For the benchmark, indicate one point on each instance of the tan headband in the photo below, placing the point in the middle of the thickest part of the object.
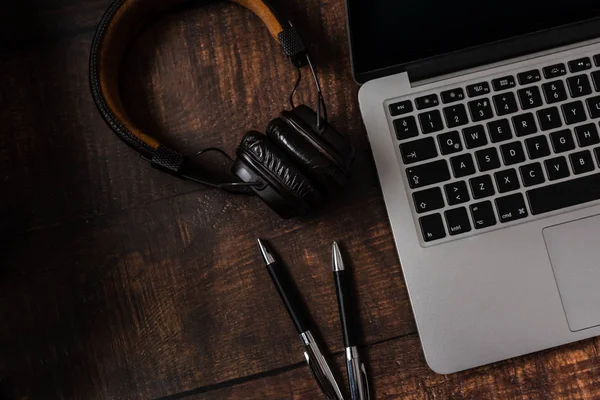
(121, 22)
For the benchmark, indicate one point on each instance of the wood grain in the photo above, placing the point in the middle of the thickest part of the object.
(174, 295)
(35, 23)
(120, 282)
(399, 372)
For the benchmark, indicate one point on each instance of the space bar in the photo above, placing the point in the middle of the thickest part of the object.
(564, 194)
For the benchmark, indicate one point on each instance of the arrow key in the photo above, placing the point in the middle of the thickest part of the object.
(483, 215)
(418, 150)
(457, 193)
(428, 200)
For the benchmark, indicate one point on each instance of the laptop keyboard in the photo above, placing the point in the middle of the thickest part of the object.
(481, 156)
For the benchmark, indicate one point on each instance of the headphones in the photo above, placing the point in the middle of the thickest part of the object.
(292, 168)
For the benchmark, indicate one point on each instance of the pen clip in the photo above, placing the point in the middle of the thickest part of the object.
(366, 381)
(319, 377)
(320, 369)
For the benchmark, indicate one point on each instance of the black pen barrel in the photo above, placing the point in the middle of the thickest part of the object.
(289, 295)
(348, 313)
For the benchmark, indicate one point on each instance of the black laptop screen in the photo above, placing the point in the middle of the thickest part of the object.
(386, 33)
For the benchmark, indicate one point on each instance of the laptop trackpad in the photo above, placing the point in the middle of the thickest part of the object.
(574, 250)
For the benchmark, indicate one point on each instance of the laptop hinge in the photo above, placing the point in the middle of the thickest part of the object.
(504, 52)
(502, 63)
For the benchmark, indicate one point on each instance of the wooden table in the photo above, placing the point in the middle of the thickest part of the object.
(120, 282)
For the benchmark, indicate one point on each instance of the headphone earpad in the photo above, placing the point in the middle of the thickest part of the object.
(312, 159)
(284, 182)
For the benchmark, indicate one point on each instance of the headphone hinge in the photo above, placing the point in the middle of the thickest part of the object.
(293, 46)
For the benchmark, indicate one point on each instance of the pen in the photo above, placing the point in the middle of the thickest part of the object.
(296, 309)
(357, 375)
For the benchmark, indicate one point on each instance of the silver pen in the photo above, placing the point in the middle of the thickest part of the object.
(300, 317)
(357, 374)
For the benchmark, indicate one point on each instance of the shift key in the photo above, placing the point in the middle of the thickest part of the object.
(428, 174)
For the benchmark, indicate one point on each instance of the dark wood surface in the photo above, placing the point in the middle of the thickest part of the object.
(119, 282)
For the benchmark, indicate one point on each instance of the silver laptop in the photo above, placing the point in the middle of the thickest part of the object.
(483, 121)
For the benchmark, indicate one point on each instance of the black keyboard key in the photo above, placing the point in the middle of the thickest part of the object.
(596, 80)
(406, 128)
(418, 150)
(432, 227)
(480, 110)
(474, 136)
(562, 141)
(487, 159)
(428, 174)
(532, 174)
(579, 85)
(400, 108)
(428, 200)
(478, 89)
(462, 165)
(499, 130)
(587, 135)
(423, 102)
(457, 193)
(511, 208)
(593, 105)
(452, 95)
(431, 121)
(458, 221)
(530, 97)
(456, 115)
(557, 168)
(507, 180)
(512, 153)
(524, 124)
(506, 82)
(450, 143)
(483, 215)
(554, 91)
(597, 60)
(582, 162)
(537, 147)
(528, 77)
(573, 112)
(555, 70)
(597, 153)
(482, 186)
(505, 103)
(581, 64)
(549, 118)
(564, 194)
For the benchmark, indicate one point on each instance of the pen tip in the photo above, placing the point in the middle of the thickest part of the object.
(336, 258)
(266, 253)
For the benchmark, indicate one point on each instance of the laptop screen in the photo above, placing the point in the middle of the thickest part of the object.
(387, 33)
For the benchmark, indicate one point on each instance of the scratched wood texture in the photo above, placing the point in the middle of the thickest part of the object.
(119, 282)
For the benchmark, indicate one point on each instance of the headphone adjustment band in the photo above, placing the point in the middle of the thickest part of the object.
(167, 160)
(293, 46)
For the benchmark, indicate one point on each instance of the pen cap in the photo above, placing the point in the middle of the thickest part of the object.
(289, 295)
(347, 306)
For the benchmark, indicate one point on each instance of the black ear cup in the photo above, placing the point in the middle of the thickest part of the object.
(284, 187)
(295, 163)
(304, 120)
(321, 166)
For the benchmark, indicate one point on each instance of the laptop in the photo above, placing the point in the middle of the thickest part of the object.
(483, 118)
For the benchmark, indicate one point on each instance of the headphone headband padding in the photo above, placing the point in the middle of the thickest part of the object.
(119, 25)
